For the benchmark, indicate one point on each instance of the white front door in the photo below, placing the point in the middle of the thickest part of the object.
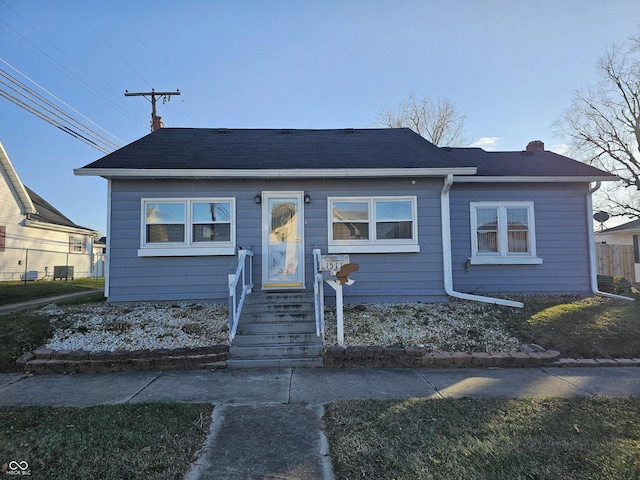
(282, 240)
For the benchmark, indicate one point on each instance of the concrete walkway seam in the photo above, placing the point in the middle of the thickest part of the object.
(202, 463)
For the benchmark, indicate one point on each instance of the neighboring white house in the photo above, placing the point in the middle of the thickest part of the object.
(36, 240)
(625, 234)
(619, 235)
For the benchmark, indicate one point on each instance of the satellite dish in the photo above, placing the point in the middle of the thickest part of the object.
(601, 217)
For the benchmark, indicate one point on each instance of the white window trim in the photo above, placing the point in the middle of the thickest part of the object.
(502, 257)
(373, 245)
(188, 247)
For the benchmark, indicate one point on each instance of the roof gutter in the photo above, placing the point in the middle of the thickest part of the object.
(273, 173)
(446, 254)
(592, 251)
(534, 179)
(61, 228)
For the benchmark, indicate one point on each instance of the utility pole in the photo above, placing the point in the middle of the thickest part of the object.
(156, 121)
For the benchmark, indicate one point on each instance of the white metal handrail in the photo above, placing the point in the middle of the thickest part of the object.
(318, 293)
(244, 280)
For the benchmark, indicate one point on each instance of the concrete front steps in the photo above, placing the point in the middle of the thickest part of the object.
(276, 330)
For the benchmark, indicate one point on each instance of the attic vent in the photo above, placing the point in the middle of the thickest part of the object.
(349, 130)
(285, 131)
(223, 131)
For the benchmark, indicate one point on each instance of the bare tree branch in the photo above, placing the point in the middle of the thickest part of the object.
(437, 121)
(603, 124)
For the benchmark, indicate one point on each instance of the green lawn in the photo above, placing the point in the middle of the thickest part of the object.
(13, 292)
(112, 442)
(492, 439)
(24, 331)
(21, 332)
(595, 327)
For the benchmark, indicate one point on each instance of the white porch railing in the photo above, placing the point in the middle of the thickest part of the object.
(318, 293)
(240, 285)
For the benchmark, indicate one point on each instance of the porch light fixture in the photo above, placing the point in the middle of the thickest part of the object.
(307, 198)
(258, 198)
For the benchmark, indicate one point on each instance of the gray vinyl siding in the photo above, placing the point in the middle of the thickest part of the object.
(382, 277)
(561, 227)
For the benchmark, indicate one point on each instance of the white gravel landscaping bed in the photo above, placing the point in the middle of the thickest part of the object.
(457, 326)
(111, 327)
(453, 326)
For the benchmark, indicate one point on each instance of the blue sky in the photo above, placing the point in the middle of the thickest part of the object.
(511, 66)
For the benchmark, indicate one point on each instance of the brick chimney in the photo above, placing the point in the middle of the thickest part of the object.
(156, 123)
(535, 146)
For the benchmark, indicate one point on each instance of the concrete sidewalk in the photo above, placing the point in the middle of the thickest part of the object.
(267, 424)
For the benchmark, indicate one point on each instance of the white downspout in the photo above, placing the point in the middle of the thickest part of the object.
(446, 254)
(107, 260)
(592, 250)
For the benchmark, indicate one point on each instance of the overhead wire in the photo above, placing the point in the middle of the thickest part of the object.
(34, 103)
(98, 94)
(52, 121)
(40, 97)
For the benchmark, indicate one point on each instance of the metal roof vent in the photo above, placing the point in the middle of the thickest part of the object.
(349, 130)
(223, 131)
(285, 131)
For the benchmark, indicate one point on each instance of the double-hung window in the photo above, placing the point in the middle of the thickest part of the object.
(372, 224)
(76, 244)
(503, 233)
(182, 227)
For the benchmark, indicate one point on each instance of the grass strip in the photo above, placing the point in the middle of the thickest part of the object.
(594, 327)
(492, 439)
(14, 292)
(21, 332)
(109, 442)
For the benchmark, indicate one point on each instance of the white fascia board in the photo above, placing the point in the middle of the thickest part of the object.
(532, 179)
(274, 173)
(60, 228)
(14, 178)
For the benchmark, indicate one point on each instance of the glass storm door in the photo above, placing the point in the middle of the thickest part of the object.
(282, 243)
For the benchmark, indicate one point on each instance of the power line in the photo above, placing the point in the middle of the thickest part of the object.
(19, 37)
(52, 121)
(37, 96)
(28, 99)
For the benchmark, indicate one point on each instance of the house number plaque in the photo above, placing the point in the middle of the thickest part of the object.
(333, 263)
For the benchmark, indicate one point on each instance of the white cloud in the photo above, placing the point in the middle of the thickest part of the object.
(486, 143)
(561, 149)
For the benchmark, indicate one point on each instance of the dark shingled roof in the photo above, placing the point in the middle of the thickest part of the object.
(287, 149)
(523, 164)
(47, 213)
(211, 148)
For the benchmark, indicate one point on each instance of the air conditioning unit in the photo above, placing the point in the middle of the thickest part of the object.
(63, 271)
(29, 276)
